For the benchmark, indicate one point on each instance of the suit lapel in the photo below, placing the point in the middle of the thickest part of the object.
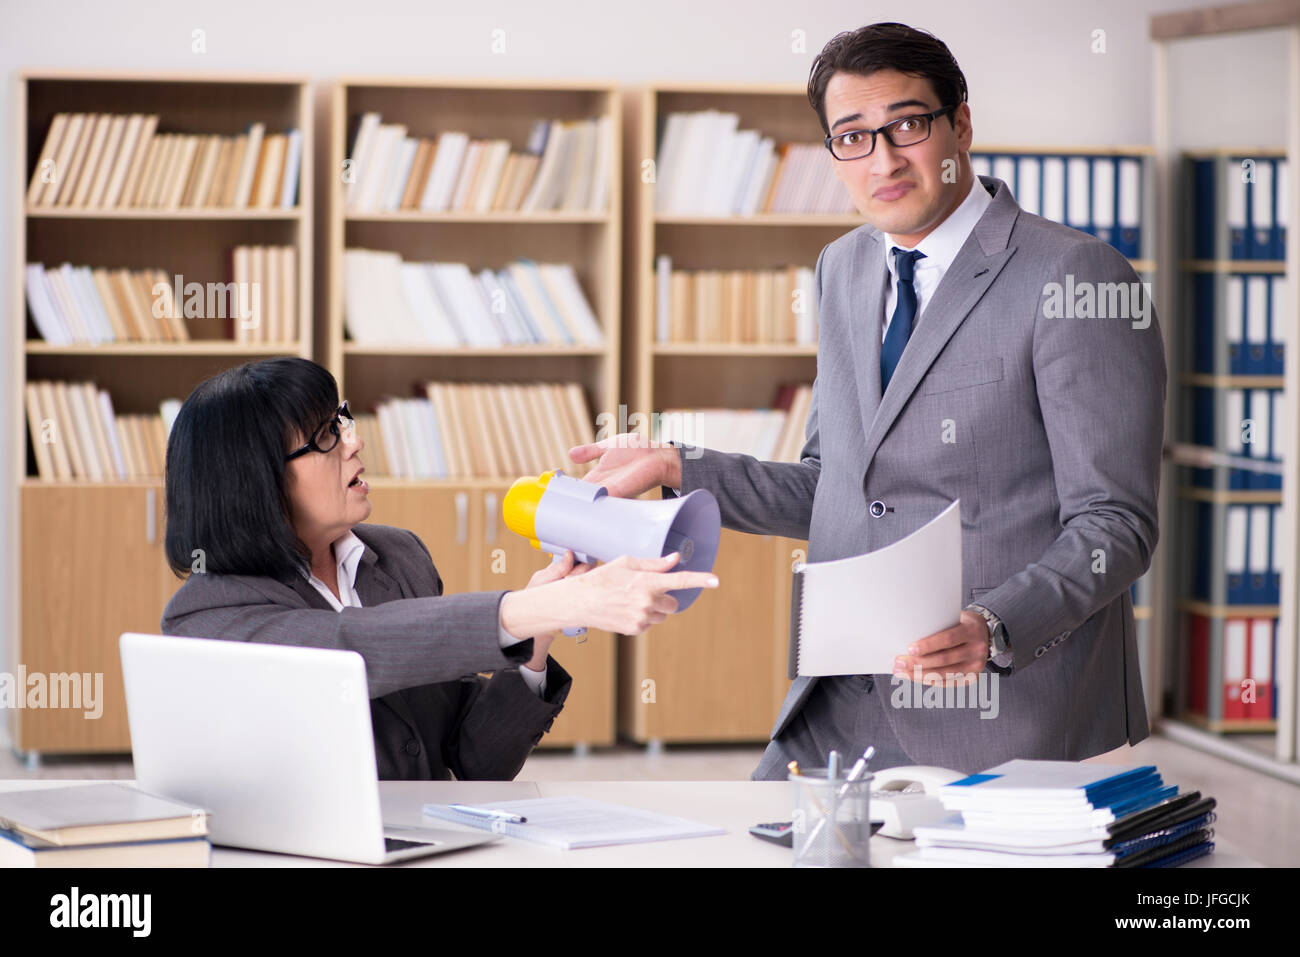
(977, 265)
(867, 287)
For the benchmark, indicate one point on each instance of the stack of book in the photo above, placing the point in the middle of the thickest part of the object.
(266, 282)
(462, 430)
(76, 435)
(388, 301)
(104, 161)
(100, 825)
(565, 166)
(770, 435)
(709, 167)
(1065, 814)
(735, 305)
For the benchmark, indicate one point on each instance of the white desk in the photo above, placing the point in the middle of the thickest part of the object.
(733, 805)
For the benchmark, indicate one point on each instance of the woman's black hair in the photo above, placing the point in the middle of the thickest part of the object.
(228, 509)
(887, 46)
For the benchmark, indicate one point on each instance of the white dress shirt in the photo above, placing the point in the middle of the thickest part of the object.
(940, 248)
(347, 553)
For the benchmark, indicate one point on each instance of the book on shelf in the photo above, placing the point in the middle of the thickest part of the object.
(707, 166)
(1098, 194)
(1239, 323)
(1230, 667)
(1237, 554)
(459, 430)
(564, 167)
(770, 435)
(1240, 207)
(76, 305)
(1243, 422)
(735, 305)
(76, 434)
(445, 305)
(108, 161)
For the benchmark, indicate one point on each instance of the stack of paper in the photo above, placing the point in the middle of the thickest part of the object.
(1065, 814)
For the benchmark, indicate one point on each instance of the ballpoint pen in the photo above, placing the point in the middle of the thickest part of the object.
(488, 814)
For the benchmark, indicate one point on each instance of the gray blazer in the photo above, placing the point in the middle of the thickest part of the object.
(1053, 430)
(432, 714)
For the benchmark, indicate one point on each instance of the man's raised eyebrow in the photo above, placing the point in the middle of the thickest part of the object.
(892, 106)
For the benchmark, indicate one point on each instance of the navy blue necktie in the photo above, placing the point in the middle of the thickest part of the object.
(900, 324)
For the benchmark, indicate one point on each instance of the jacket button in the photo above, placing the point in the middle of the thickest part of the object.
(412, 747)
(1038, 652)
(877, 508)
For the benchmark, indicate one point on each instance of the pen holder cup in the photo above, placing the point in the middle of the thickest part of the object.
(831, 820)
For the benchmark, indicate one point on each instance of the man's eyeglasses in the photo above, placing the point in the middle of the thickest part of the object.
(904, 131)
(328, 433)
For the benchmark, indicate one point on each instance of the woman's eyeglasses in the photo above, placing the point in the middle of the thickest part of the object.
(328, 433)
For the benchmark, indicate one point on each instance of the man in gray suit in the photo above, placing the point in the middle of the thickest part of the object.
(949, 368)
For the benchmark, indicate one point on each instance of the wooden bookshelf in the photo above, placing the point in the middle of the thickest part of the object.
(90, 563)
(460, 521)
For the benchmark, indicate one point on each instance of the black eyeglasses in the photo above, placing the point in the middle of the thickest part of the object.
(904, 131)
(328, 433)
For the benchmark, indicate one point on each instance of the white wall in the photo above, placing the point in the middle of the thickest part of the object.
(1029, 64)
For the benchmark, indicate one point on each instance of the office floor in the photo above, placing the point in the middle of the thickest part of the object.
(1259, 814)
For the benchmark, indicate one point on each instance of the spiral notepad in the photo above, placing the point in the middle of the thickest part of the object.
(853, 616)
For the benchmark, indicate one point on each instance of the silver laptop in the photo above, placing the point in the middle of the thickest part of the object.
(273, 741)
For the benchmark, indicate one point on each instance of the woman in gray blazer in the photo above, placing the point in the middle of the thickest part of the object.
(266, 510)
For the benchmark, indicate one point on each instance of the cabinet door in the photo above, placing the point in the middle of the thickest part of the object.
(508, 561)
(446, 521)
(707, 674)
(90, 571)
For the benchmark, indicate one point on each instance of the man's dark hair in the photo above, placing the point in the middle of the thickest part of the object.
(887, 46)
(225, 483)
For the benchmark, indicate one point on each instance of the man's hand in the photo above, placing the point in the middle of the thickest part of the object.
(954, 656)
(630, 464)
(562, 568)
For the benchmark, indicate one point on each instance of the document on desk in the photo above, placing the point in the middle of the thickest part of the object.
(574, 822)
(853, 616)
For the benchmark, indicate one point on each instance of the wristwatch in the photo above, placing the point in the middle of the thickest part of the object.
(999, 643)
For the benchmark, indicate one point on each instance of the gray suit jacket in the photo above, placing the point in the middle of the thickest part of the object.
(431, 713)
(1048, 430)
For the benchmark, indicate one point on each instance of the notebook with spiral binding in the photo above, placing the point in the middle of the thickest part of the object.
(853, 616)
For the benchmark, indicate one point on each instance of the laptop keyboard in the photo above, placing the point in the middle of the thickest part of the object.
(395, 844)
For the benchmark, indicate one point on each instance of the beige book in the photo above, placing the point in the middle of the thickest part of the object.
(85, 432)
(566, 426)
(72, 173)
(680, 293)
(98, 430)
(700, 305)
(535, 446)
(188, 159)
(67, 430)
(784, 304)
(508, 176)
(289, 295)
(495, 154)
(124, 296)
(274, 282)
(178, 172)
(580, 413)
(556, 432)
(728, 315)
(155, 175)
(106, 162)
(257, 280)
(77, 125)
(454, 451)
(144, 441)
(484, 452)
(228, 188)
(419, 170)
(159, 431)
(126, 155)
(494, 431)
(108, 296)
(240, 269)
(126, 439)
(133, 192)
(512, 425)
(42, 175)
(36, 427)
(763, 325)
(270, 172)
(205, 164)
(748, 325)
(131, 181)
(153, 305)
(58, 445)
(90, 161)
(211, 197)
(175, 315)
(524, 182)
(248, 166)
(791, 317)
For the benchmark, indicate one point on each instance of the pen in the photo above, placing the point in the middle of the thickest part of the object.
(488, 813)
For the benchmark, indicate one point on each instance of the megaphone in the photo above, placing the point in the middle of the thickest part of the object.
(558, 513)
